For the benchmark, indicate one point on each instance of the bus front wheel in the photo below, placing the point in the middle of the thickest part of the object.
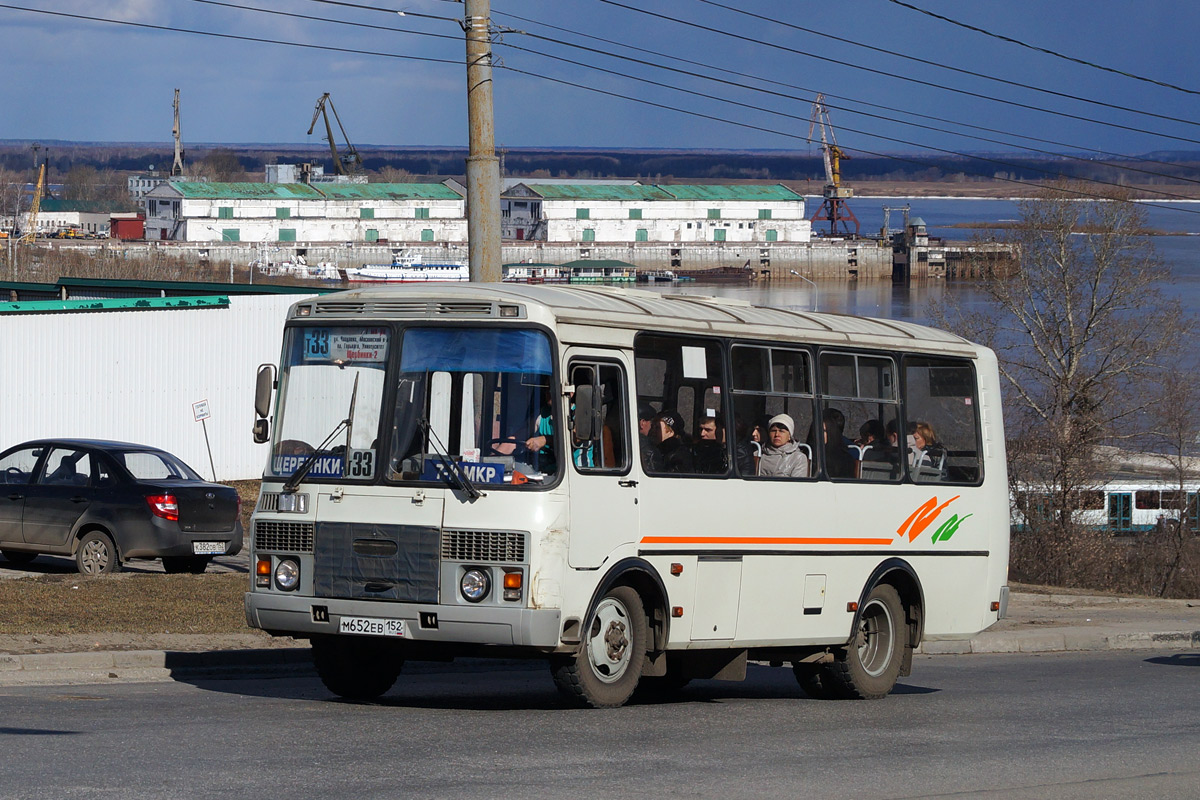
(870, 665)
(356, 669)
(605, 670)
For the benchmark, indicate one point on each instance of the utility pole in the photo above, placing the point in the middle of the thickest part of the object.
(483, 168)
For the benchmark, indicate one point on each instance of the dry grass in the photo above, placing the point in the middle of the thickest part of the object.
(140, 604)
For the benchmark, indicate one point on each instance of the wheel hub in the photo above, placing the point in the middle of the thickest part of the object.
(615, 640)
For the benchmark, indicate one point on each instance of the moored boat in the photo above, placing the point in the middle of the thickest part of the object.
(409, 268)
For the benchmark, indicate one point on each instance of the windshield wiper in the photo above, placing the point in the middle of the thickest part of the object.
(453, 475)
(294, 481)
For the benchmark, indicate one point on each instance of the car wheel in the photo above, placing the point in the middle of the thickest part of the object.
(195, 565)
(356, 669)
(18, 556)
(605, 670)
(97, 555)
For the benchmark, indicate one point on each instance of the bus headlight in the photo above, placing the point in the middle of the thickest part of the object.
(475, 585)
(287, 574)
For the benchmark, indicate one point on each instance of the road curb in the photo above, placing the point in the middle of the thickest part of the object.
(139, 666)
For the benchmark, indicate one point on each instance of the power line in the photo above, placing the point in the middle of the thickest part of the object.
(1044, 50)
(917, 81)
(294, 15)
(893, 109)
(877, 136)
(938, 65)
(804, 119)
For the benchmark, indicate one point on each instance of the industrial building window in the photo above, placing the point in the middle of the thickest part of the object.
(231, 235)
(772, 235)
(366, 213)
(719, 235)
(422, 213)
(589, 235)
(372, 235)
(583, 213)
(641, 235)
(427, 235)
(225, 212)
(287, 234)
(283, 213)
(635, 213)
(764, 213)
(714, 213)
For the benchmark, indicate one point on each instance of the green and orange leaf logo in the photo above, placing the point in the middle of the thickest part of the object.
(925, 515)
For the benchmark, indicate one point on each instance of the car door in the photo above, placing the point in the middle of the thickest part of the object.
(58, 497)
(16, 472)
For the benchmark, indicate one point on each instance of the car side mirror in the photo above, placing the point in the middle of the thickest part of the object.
(587, 413)
(262, 431)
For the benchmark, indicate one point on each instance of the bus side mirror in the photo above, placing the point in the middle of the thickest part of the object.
(587, 413)
(264, 387)
(262, 431)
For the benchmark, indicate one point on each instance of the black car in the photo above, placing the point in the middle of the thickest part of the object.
(107, 502)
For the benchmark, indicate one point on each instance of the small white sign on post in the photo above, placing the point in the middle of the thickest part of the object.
(201, 413)
(200, 410)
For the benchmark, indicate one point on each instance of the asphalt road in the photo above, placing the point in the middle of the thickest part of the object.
(1067, 725)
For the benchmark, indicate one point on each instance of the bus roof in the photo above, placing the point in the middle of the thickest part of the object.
(634, 309)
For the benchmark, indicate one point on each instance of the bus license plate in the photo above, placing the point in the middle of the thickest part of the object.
(208, 548)
(371, 626)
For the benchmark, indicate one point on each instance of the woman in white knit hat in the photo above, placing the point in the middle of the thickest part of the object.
(782, 457)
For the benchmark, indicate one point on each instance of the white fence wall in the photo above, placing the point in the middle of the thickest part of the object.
(133, 376)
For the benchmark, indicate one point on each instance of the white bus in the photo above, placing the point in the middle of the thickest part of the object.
(573, 473)
(1123, 507)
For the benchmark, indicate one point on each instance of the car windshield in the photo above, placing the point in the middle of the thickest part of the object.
(148, 465)
(479, 399)
(330, 376)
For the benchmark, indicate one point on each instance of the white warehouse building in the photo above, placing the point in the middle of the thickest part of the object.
(299, 212)
(664, 213)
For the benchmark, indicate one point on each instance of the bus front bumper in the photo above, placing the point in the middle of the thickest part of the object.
(443, 624)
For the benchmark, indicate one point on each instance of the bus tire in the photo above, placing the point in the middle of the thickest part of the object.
(356, 669)
(605, 670)
(870, 665)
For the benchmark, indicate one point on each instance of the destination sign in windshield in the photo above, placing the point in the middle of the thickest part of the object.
(342, 346)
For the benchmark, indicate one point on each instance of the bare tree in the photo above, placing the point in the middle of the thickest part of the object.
(1081, 329)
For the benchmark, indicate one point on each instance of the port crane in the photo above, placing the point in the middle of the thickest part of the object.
(347, 162)
(834, 209)
(31, 231)
(177, 166)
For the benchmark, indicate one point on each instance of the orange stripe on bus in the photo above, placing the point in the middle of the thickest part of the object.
(756, 540)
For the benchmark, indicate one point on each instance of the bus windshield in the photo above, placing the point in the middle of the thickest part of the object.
(330, 376)
(478, 398)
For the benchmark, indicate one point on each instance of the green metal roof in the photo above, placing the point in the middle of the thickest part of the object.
(387, 191)
(196, 288)
(602, 263)
(127, 304)
(244, 191)
(607, 191)
(746, 192)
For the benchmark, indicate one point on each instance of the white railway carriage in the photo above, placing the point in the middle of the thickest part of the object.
(469, 469)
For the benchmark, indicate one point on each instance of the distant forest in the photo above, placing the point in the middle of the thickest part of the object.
(247, 162)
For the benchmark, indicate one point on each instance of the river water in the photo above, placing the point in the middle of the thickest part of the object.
(1180, 253)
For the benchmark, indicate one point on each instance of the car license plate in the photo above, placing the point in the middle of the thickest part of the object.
(208, 548)
(371, 626)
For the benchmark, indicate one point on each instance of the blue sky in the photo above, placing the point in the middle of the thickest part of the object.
(78, 80)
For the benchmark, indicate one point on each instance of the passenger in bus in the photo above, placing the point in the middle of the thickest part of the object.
(711, 454)
(651, 458)
(874, 442)
(782, 457)
(541, 443)
(839, 462)
(745, 449)
(926, 449)
(671, 440)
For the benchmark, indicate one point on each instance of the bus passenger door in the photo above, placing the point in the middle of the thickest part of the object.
(1120, 512)
(604, 491)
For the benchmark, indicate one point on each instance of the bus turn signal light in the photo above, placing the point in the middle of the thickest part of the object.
(995, 605)
(852, 606)
(262, 572)
(677, 569)
(512, 580)
(677, 611)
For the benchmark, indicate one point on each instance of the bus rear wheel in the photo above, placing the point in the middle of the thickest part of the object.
(356, 669)
(605, 670)
(870, 665)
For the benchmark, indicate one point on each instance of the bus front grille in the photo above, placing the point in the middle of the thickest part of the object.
(505, 547)
(293, 537)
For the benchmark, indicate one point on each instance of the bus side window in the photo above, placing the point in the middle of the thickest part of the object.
(941, 405)
(607, 449)
(683, 378)
(772, 383)
(860, 399)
